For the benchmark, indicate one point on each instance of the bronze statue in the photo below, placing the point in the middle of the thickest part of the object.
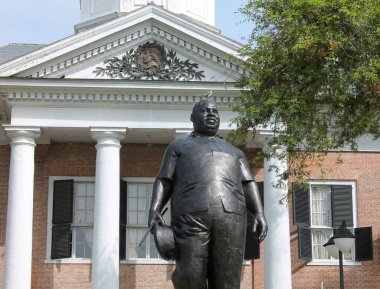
(211, 188)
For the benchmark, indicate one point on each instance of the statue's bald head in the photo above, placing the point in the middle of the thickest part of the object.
(205, 117)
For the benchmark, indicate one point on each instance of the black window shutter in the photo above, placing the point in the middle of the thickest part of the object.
(252, 244)
(61, 242)
(301, 204)
(341, 199)
(304, 244)
(62, 219)
(123, 220)
(63, 202)
(363, 244)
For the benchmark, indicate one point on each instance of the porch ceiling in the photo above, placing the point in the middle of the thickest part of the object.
(133, 135)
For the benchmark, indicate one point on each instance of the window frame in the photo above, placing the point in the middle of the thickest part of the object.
(73, 260)
(142, 260)
(353, 184)
(75, 226)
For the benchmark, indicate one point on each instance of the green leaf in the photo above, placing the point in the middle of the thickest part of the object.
(315, 77)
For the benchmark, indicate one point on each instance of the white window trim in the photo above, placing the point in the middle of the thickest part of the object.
(353, 184)
(68, 261)
(137, 260)
(48, 259)
(333, 263)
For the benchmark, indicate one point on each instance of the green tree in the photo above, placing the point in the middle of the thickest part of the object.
(314, 77)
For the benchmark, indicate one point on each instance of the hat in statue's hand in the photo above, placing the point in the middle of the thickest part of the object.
(164, 240)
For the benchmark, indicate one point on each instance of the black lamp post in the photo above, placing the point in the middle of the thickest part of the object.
(341, 242)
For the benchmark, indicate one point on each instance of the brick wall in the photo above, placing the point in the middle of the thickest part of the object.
(143, 160)
(78, 159)
(4, 175)
(365, 169)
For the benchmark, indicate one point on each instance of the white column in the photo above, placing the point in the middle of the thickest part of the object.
(277, 258)
(19, 231)
(105, 251)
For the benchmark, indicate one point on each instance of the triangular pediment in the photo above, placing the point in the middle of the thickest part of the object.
(150, 61)
(181, 50)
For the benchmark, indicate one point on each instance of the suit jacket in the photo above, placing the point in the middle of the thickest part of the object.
(199, 166)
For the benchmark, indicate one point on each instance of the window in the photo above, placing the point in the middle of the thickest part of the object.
(137, 224)
(318, 208)
(72, 218)
(321, 217)
(82, 227)
(138, 199)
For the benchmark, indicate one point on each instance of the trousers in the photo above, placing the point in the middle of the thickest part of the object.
(209, 248)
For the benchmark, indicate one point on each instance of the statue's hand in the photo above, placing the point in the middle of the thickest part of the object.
(155, 217)
(260, 226)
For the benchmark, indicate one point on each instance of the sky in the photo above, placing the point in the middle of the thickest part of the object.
(46, 21)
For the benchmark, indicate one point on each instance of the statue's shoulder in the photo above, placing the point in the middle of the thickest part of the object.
(178, 143)
(233, 149)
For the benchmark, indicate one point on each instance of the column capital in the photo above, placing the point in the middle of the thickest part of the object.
(108, 135)
(22, 134)
(263, 136)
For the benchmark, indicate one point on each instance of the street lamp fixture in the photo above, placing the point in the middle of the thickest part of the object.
(341, 242)
(343, 238)
(332, 249)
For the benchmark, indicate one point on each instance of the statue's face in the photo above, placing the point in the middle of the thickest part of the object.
(206, 118)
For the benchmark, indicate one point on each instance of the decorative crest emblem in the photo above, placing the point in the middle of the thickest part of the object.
(150, 61)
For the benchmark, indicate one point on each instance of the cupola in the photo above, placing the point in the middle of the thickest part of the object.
(95, 12)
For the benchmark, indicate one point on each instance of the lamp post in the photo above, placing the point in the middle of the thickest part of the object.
(341, 242)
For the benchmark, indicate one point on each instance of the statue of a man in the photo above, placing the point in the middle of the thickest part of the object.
(211, 187)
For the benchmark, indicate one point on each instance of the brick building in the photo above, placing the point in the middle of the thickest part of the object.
(85, 122)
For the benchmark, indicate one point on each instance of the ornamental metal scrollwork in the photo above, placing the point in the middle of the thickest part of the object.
(150, 62)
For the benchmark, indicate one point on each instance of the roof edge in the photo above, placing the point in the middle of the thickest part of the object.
(202, 33)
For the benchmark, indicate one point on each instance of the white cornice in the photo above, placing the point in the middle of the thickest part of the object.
(69, 92)
(7, 84)
(76, 41)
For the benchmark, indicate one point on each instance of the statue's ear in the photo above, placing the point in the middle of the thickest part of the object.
(192, 118)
